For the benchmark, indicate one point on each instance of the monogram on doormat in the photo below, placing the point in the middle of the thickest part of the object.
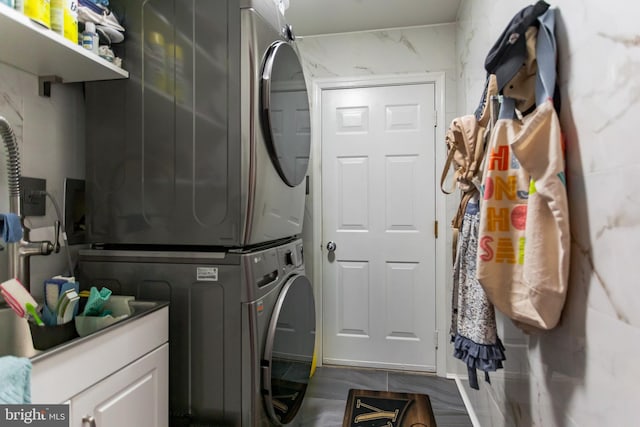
(371, 408)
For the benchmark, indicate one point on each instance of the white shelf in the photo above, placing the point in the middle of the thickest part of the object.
(42, 52)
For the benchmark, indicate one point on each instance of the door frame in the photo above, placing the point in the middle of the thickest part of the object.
(441, 261)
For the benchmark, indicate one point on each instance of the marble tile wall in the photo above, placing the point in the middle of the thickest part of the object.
(584, 372)
(50, 134)
(384, 52)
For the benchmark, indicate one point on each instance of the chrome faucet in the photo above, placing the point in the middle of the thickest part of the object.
(20, 252)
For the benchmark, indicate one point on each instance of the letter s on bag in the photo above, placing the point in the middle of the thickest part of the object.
(485, 246)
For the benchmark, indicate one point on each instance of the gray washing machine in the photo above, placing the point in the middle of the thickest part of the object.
(242, 327)
(207, 142)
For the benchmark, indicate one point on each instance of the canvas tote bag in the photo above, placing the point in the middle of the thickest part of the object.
(524, 241)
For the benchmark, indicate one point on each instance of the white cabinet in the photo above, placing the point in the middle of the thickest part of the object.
(118, 376)
(136, 396)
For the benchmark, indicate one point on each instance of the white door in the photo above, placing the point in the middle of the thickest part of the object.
(378, 187)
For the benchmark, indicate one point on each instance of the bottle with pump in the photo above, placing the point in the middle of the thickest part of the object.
(90, 37)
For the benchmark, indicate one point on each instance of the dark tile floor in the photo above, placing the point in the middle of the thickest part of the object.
(326, 396)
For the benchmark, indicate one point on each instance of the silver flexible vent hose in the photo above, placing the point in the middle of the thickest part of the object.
(13, 162)
(13, 180)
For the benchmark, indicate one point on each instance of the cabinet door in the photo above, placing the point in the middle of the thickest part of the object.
(135, 396)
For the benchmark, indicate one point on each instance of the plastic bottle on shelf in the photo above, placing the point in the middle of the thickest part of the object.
(64, 18)
(71, 20)
(38, 10)
(57, 16)
(90, 37)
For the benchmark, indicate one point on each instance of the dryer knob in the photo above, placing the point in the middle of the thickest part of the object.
(288, 32)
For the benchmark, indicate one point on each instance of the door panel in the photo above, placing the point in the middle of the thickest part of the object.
(378, 182)
(401, 281)
(400, 210)
(353, 285)
(353, 191)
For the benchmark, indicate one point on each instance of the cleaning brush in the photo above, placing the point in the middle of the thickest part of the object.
(16, 296)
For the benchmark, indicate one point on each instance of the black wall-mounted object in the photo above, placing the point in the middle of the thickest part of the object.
(74, 211)
(32, 196)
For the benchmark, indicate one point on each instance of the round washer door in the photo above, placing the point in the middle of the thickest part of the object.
(289, 350)
(285, 113)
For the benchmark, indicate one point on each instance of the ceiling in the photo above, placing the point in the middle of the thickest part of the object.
(314, 17)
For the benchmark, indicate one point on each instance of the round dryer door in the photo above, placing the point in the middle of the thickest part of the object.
(285, 113)
(289, 350)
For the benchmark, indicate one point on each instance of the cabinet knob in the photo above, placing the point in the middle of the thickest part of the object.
(89, 419)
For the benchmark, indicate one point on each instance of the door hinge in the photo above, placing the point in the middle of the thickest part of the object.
(435, 118)
(435, 339)
(435, 228)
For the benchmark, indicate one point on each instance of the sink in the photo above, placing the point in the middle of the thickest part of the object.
(15, 336)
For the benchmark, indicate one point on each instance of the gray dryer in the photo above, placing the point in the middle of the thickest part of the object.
(207, 142)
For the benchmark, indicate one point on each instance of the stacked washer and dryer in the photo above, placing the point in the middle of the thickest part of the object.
(195, 189)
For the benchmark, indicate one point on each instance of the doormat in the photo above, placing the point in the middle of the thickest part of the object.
(370, 408)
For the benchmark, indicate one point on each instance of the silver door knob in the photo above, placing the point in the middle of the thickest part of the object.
(331, 246)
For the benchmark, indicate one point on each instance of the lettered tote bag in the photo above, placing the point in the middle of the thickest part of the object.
(524, 243)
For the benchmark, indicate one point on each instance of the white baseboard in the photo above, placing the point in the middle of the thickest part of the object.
(451, 376)
(465, 399)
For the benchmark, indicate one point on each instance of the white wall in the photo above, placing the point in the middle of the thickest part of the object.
(50, 134)
(585, 372)
(400, 51)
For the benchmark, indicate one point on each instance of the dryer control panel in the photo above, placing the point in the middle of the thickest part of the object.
(291, 256)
